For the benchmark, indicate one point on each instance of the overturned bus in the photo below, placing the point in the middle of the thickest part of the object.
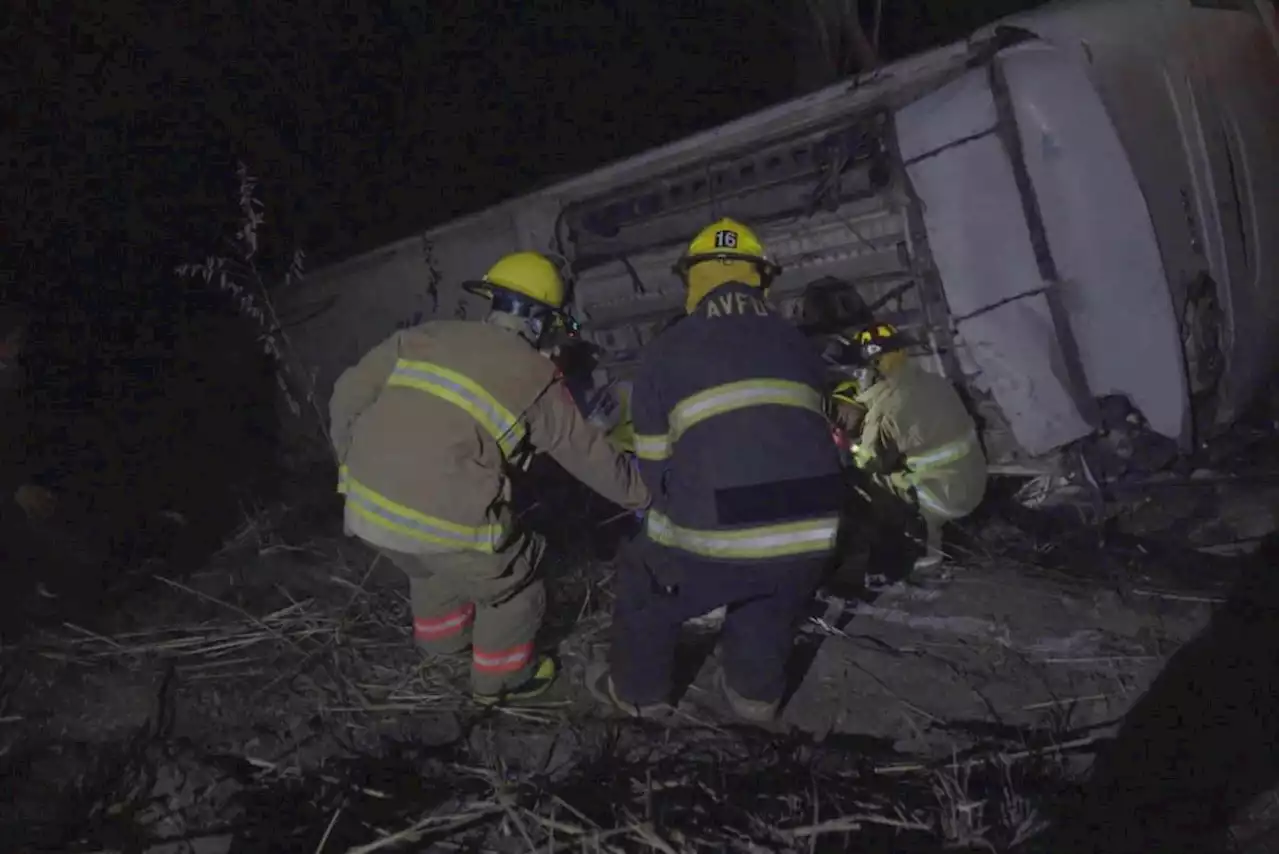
(1073, 212)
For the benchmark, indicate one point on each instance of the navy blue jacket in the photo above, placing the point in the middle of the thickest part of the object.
(731, 437)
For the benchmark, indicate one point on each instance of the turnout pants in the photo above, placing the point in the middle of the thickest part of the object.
(897, 532)
(492, 603)
(659, 588)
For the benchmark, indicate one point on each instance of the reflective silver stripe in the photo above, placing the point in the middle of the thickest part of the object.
(408, 522)
(766, 541)
(943, 454)
(740, 395)
(496, 419)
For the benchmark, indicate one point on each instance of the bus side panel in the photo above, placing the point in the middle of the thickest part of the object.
(351, 308)
(1100, 237)
(981, 245)
(1232, 63)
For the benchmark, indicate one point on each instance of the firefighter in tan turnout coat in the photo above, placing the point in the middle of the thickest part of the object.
(912, 438)
(427, 428)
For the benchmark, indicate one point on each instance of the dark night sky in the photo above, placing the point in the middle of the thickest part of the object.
(366, 121)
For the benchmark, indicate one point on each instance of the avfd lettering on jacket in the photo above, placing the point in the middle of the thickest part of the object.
(733, 303)
(731, 435)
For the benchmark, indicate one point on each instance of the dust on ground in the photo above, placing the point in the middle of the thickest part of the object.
(272, 701)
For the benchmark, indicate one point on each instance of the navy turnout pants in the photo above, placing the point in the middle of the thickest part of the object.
(764, 604)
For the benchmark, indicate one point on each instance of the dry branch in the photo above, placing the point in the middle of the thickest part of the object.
(343, 651)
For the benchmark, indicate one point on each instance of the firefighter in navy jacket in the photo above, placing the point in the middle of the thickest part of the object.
(734, 446)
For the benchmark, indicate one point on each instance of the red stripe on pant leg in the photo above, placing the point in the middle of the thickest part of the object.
(503, 661)
(450, 625)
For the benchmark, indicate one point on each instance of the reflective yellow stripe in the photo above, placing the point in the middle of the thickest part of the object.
(721, 399)
(652, 447)
(767, 541)
(862, 455)
(942, 455)
(929, 501)
(740, 395)
(410, 523)
(496, 419)
(623, 437)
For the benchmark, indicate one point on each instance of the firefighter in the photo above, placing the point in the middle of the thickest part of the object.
(727, 408)
(428, 428)
(912, 437)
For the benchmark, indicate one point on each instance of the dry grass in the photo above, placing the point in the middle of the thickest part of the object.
(395, 756)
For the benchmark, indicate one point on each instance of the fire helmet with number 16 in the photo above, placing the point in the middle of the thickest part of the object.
(728, 240)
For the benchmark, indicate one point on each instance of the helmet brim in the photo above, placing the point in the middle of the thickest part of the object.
(478, 287)
(768, 269)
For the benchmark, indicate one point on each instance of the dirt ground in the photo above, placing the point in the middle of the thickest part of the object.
(271, 701)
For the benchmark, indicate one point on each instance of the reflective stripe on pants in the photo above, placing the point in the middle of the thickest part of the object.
(503, 661)
(446, 629)
(503, 593)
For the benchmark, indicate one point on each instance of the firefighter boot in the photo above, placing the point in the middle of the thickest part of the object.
(536, 691)
(600, 684)
(753, 711)
(931, 559)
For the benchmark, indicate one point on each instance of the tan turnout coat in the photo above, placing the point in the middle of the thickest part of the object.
(429, 424)
(915, 429)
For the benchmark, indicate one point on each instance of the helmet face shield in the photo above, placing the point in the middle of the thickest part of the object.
(549, 325)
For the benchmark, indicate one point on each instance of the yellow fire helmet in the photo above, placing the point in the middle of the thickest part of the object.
(728, 240)
(523, 274)
(846, 391)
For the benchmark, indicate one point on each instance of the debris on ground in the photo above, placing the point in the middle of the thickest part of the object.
(273, 701)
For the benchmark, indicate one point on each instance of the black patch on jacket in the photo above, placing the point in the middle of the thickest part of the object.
(780, 501)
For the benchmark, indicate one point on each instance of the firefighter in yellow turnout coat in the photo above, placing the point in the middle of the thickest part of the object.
(912, 435)
(428, 427)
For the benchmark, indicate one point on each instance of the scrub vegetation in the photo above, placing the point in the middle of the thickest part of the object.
(239, 276)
